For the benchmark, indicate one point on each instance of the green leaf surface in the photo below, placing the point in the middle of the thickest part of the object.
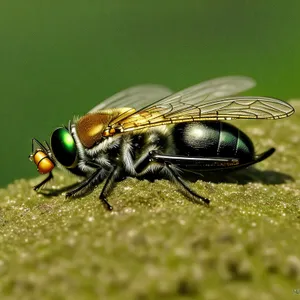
(156, 244)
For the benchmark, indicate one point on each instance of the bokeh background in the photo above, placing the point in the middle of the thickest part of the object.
(61, 58)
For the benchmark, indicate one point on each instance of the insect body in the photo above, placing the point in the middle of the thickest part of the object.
(147, 130)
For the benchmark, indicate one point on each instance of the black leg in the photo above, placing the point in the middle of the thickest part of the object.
(179, 182)
(142, 164)
(174, 176)
(73, 189)
(56, 192)
(41, 184)
(86, 186)
(108, 186)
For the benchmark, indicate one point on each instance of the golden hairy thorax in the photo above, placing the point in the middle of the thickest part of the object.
(93, 126)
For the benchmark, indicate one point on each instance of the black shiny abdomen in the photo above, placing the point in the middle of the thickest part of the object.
(212, 139)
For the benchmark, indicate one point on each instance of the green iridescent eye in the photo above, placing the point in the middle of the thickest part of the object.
(63, 147)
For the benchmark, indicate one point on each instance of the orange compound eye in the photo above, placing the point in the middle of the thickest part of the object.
(43, 162)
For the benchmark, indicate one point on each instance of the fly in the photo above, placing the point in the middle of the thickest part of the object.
(148, 130)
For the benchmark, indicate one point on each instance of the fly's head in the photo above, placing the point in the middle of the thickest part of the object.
(90, 130)
(63, 151)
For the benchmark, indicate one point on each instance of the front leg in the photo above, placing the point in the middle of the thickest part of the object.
(41, 184)
(96, 178)
(87, 186)
(52, 192)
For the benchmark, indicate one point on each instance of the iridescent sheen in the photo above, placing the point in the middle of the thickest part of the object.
(64, 147)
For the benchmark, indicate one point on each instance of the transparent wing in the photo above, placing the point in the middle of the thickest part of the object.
(206, 101)
(136, 97)
(212, 89)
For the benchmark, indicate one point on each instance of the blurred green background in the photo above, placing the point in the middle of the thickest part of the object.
(60, 58)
